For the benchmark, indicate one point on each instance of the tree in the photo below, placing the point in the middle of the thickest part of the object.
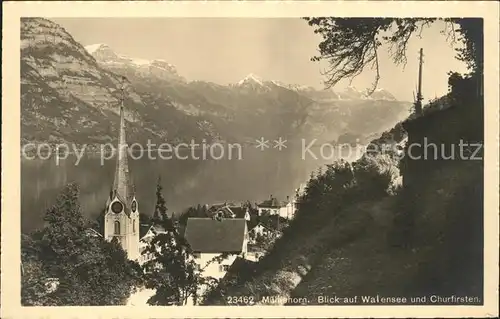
(264, 242)
(193, 211)
(470, 33)
(351, 44)
(88, 270)
(252, 210)
(161, 206)
(63, 236)
(115, 271)
(145, 219)
(374, 175)
(33, 276)
(172, 272)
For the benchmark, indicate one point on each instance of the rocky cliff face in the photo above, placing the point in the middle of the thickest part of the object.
(67, 96)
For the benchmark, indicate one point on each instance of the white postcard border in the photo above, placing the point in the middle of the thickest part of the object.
(13, 11)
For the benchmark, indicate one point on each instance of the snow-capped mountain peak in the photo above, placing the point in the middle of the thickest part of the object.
(102, 52)
(351, 92)
(105, 55)
(251, 78)
(95, 47)
(382, 94)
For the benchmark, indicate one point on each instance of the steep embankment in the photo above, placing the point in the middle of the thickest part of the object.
(369, 266)
(348, 238)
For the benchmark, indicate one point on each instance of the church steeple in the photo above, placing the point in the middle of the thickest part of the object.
(122, 187)
(122, 217)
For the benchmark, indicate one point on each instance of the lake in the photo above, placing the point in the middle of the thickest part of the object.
(186, 182)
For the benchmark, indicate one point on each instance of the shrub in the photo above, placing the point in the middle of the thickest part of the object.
(375, 175)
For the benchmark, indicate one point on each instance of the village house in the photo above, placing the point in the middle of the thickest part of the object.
(213, 237)
(273, 206)
(226, 210)
(92, 233)
(147, 233)
(261, 233)
(260, 229)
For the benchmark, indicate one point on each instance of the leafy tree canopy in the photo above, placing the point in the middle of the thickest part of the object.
(172, 272)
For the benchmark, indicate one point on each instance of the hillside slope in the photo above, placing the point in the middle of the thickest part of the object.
(368, 266)
(348, 238)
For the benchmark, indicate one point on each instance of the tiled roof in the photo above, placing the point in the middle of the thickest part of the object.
(158, 228)
(143, 230)
(219, 208)
(228, 210)
(92, 232)
(272, 203)
(207, 235)
(268, 227)
(215, 207)
(238, 211)
(254, 220)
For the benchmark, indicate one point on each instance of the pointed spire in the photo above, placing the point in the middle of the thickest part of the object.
(122, 185)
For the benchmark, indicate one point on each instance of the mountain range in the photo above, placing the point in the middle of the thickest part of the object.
(71, 93)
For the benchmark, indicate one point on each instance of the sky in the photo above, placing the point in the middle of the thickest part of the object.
(225, 50)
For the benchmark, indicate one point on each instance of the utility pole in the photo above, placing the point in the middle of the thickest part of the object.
(122, 89)
(418, 102)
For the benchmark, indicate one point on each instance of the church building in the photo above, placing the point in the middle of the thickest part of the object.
(121, 219)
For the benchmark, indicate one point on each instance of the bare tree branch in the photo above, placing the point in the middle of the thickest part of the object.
(377, 76)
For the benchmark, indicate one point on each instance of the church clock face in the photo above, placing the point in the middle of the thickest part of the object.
(117, 207)
(134, 206)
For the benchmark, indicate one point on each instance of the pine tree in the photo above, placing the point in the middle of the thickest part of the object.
(63, 237)
(161, 206)
(203, 211)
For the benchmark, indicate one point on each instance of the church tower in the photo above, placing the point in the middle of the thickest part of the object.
(121, 220)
